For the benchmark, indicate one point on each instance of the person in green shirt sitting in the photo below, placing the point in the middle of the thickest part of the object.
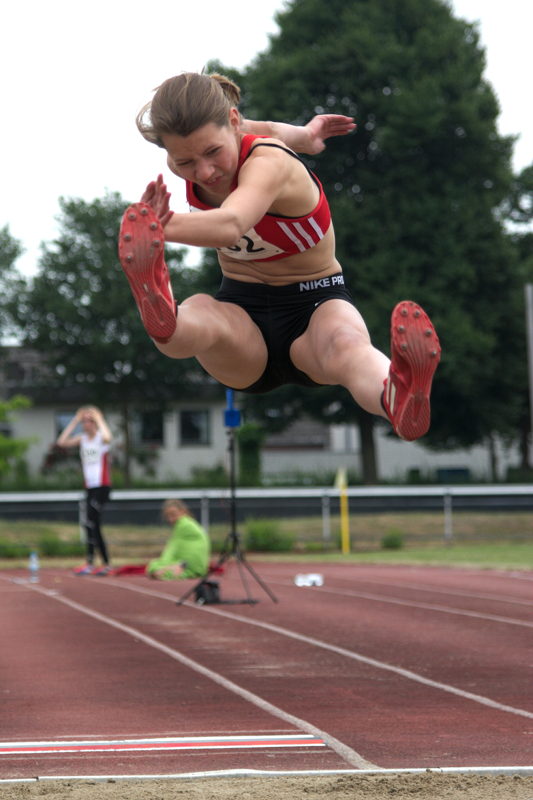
(186, 554)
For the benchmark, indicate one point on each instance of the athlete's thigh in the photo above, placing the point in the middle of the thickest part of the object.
(335, 325)
(235, 354)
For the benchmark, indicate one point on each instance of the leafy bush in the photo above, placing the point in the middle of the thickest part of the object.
(213, 477)
(318, 547)
(313, 478)
(13, 549)
(265, 535)
(250, 437)
(49, 544)
(393, 540)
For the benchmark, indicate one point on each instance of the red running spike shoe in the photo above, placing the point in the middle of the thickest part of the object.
(415, 354)
(103, 571)
(141, 254)
(85, 569)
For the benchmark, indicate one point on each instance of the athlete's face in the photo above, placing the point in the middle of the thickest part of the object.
(173, 514)
(208, 156)
(89, 424)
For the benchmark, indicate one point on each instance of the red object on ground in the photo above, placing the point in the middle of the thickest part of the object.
(130, 569)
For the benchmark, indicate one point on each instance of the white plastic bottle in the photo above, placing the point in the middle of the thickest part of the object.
(33, 566)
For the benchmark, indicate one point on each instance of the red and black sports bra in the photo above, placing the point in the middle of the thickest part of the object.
(274, 236)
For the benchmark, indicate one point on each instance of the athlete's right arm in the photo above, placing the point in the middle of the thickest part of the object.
(262, 178)
(65, 439)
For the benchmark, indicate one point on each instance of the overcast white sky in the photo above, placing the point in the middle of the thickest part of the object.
(75, 74)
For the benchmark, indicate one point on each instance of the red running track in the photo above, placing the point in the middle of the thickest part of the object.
(381, 667)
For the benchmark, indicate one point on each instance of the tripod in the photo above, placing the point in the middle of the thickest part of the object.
(231, 546)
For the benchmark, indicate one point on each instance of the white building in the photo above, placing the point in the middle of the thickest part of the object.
(192, 436)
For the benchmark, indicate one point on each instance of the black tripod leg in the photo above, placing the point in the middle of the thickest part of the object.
(244, 582)
(231, 546)
(261, 583)
(223, 557)
(188, 593)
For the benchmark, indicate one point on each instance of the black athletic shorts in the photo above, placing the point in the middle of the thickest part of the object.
(282, 314)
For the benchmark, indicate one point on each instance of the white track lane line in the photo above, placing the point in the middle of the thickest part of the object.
(347, 753)
(254, 773)
(421, 587)
(413, 604)
(404, 673)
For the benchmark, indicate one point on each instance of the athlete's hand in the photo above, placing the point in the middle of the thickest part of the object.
(157, 196)
(95, 413)
(323, 126)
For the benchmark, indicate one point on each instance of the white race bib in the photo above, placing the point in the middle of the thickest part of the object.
(250, 247)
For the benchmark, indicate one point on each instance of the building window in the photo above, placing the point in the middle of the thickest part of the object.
(15, 373)
(151, 427)
(62, 419)
(194, 427)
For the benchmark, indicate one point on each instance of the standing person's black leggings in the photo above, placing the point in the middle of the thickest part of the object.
(97, 497)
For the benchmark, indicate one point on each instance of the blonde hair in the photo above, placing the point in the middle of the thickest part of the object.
(175, 503)
(186, 102)
(89, 411)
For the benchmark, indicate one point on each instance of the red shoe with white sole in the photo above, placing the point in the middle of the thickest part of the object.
(142, 257)
(85, 569)
(415, 355)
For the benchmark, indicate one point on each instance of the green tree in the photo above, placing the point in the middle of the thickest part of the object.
(78, 311)
(519, 205)
(414, 192)
(250, 437)
(10, 250)
(11, 450)
(518, 211)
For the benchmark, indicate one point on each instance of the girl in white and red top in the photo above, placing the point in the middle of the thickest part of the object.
(283, 313)
(94, 443)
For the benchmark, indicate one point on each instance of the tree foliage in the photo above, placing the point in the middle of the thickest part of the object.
(10, 250)
(11, 450)
(250, 437)
(415, 192)
(79, 313)
(518, 210)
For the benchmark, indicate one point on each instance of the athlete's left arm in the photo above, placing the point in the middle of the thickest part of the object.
(101, 424)
(157, 195)
(309, 138)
